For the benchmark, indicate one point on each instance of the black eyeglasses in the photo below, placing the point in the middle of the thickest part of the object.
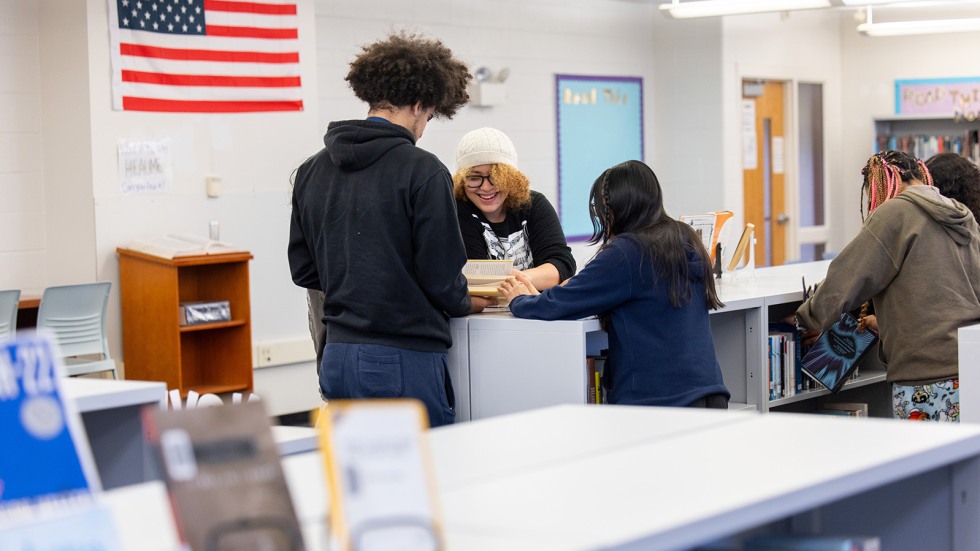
(475, 181)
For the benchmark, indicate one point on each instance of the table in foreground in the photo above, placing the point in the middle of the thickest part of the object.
(587, 477)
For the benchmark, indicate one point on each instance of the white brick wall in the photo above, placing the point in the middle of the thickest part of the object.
(534, 39)
(22, 241)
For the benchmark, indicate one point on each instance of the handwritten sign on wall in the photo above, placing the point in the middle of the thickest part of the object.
(600, 124)
(145, 167)
(958, 98)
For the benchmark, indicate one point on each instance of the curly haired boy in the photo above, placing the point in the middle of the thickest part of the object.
(373, 229)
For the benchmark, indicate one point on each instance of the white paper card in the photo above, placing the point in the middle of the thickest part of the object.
(778, 155)
(382, 498)
(750, 151)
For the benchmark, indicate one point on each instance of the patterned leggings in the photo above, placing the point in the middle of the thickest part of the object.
(939, 401)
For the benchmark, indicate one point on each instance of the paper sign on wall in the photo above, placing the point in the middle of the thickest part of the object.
(957, 97)
(750, 151)
(145, 167)
(778, 155)
(382, 492)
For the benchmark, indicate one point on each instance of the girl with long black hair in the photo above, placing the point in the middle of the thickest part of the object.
(651, 285)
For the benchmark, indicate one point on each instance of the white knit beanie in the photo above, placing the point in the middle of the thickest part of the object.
(485, 146)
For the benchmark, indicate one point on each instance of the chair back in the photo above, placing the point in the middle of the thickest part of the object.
(8, 312)
(75, 317)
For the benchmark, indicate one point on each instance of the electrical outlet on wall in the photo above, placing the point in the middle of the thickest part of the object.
(283, 352)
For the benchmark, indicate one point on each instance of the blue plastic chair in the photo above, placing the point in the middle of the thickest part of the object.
(8, 312)
(74, 315)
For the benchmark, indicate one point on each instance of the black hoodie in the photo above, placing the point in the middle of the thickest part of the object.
(374, 227)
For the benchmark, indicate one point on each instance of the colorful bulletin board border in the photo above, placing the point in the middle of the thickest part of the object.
(600, 124)
(942, 97)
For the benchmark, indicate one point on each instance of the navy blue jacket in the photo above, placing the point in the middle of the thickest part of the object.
(374, 227)
(659, 355)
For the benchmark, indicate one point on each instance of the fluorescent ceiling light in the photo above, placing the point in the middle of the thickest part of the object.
(876, 2)
(714, 8)
(926, 26)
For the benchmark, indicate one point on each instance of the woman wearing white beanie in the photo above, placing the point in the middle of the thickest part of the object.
(500, 217)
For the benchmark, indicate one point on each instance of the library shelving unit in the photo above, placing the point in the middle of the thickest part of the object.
(925, 136)
(516, 365)
(206, 358)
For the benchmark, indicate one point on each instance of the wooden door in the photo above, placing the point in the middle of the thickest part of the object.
(763, 177)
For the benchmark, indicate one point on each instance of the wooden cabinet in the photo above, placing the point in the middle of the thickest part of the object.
(210, 357)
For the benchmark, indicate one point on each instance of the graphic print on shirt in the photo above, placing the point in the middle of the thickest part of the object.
(515, 246)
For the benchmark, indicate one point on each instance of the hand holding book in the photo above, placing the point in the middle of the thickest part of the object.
(836, 352)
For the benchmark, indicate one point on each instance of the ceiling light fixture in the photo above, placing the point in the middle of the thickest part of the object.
(924, 26)
(715, 8)
(860, 3)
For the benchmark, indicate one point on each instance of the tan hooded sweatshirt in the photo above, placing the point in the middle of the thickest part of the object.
(918, 258)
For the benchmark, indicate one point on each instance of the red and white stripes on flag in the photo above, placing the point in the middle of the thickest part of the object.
(205, 56)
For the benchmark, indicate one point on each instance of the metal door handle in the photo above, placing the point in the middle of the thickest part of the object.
(782, 218)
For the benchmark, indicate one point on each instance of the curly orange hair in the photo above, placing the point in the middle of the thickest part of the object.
(506, 179)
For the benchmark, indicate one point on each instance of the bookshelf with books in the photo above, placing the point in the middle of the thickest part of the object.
(213, 357)
(807, 395)
(515, 364)
(925, 136)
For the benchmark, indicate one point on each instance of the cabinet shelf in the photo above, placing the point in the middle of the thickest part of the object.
(205, 358)
(863, 379)
(214, 325)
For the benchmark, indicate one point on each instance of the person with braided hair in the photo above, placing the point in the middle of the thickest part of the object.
(651, 285)
(917, 259)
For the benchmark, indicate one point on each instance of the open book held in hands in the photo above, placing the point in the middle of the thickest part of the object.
(484, 276)
(176, 246)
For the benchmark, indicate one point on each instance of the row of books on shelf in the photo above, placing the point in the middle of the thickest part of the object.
(924, 146)
(786, 353)
(785, 361)
(846, 409)
(596, 394)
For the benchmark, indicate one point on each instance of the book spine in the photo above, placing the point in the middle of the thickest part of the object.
(779, 366)
(789, 388)
(590, 395)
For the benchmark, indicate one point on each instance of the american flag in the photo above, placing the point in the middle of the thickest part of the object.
(205, 56)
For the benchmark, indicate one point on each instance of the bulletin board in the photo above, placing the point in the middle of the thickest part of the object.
(599, 124)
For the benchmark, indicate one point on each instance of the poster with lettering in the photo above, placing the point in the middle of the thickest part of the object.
(600, 124)
(958, 98)
(144, 167)
(46, 453)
